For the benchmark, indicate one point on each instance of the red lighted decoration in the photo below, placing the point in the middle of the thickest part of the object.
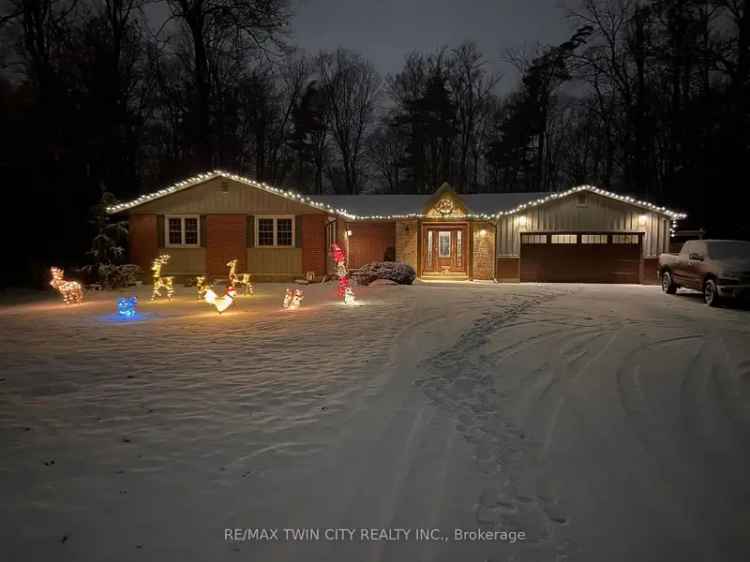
(339, 257)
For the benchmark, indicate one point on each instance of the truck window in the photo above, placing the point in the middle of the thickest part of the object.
(688, 247)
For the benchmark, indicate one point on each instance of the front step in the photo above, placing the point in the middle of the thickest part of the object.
(445, 277)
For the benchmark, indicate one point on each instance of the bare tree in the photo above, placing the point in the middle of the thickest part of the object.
(351, 87)
(219, 29)
(472, 87)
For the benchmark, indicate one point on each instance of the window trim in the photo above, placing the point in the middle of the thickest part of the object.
(275, 218)
(182, 244)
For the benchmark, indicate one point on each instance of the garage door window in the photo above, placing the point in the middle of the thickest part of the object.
(593, 238)
(624, 239)
(564, 239)
(534, 238)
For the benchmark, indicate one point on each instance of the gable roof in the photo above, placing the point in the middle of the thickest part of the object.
(486, 206)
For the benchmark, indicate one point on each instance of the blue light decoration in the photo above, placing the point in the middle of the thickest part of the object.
(126, 306)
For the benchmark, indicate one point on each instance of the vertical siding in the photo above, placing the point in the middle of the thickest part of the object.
(600, 213)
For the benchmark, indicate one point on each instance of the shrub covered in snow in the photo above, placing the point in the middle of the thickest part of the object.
(392, 270)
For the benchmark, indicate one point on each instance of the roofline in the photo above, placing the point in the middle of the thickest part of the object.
(320, 206)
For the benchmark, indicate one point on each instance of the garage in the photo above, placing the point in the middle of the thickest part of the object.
(581, 257)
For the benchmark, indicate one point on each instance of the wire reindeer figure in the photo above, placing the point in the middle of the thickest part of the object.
(239, 280)
(166, 283)
(202, 284)
(71, 291)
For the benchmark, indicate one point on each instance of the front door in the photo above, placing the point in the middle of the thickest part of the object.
(444, 250)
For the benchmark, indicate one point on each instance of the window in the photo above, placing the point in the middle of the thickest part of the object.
(593, 238)
(182, 230)
(274, 231)
(459, 238)
(624, 239)
(444, 244)
(330, 234)
(564, 239)
(429, 249)
(283, 232)
(534, 239)
(582, 199)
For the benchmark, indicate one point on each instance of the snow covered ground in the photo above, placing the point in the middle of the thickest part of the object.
(604, 422)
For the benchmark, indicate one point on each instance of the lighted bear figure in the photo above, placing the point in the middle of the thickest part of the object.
(126, 306)
(288, 298)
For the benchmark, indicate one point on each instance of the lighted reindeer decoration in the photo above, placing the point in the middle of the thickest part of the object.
(166, 283)
(238, 280)
(202, 284)
(71, 291)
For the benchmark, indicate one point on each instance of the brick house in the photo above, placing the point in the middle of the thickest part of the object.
(584, 234)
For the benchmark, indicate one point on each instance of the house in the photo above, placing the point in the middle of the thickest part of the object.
(584, 234)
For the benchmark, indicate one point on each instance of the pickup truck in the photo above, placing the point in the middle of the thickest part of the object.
(718, 268)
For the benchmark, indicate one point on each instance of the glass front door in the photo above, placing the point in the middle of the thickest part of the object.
(444, 251)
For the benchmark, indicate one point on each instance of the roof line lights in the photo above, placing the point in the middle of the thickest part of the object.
(304, 199)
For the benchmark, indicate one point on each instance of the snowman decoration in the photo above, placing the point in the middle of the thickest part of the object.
(288, 298)
(296, 299)
(348, 296)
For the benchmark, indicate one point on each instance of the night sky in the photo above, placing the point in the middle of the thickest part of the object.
(386, 30)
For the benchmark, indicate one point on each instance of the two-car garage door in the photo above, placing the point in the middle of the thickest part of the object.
(584, 257)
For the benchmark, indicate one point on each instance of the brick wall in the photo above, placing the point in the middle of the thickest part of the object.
(226, 239)
(483, 251)
(313, 243)
(406, 242)
(143, 239)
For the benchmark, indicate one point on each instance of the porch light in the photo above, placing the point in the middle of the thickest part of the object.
(642, 220)
(348, 233)
(522, 220)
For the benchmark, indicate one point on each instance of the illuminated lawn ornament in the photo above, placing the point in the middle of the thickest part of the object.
(221, 303)
(243, 282)
(349, 296)
(202, 285)
(296, 299)
(71, 291)
(288, 298)
(126, 306)
(239, 280)
(166, 283)
(344, 288)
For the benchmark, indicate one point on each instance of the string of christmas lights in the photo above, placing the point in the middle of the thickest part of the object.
(294, 196)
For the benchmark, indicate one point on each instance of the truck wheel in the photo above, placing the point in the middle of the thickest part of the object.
(667, 284)
(711, 293)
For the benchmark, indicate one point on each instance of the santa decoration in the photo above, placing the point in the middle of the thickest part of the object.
(344, 288)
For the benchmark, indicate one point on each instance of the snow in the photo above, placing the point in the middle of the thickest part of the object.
(605, 422)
